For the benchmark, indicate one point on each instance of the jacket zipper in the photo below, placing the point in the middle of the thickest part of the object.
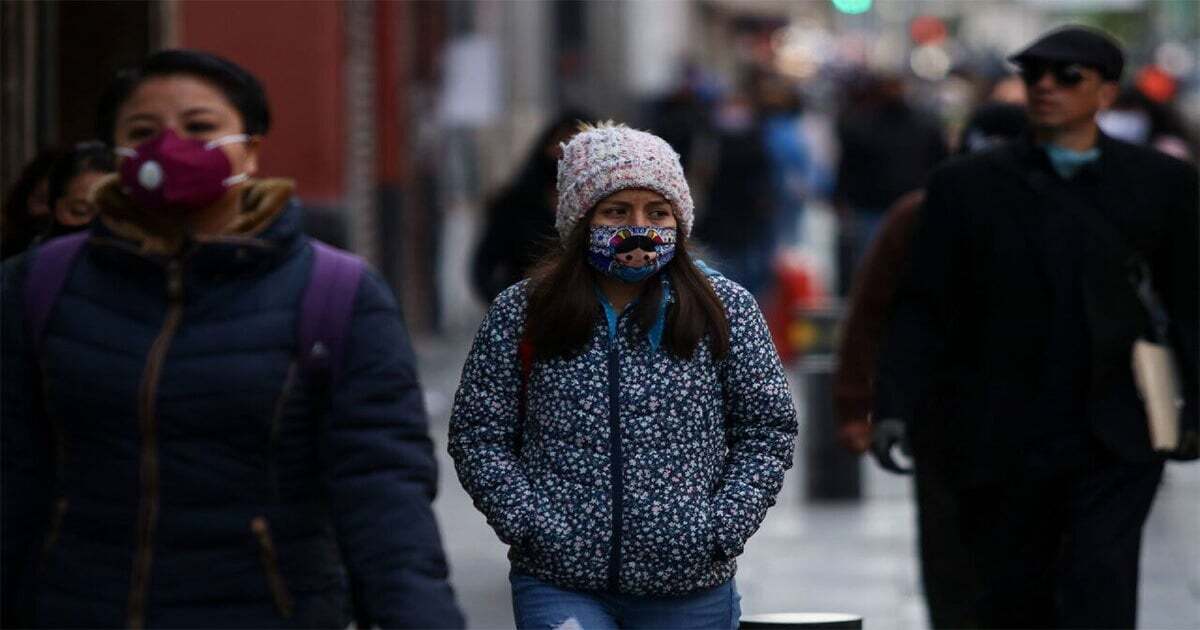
(58, 438)
(147, 395)
(616, 464)
(57, 435)
(277, 428)
(270, 562)
(56, 521)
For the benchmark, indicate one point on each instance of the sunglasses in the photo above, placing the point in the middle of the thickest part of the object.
(1065, 74)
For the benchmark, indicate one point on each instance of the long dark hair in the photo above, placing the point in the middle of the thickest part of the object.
(17, 227)
(563, 305)
(86, 157)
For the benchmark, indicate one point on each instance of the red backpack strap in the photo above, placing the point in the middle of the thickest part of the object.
(326, 310)
(525, 353)
(47, 276)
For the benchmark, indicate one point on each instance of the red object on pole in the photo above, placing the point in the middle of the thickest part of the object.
(927, 29)
(1156, 84)
(795, 288)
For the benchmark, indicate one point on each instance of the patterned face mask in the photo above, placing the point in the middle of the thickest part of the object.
(630, 253)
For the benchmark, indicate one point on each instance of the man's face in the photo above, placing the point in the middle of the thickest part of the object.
(1064, 95)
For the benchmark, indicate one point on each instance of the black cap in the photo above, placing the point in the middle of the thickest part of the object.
(1077, 44)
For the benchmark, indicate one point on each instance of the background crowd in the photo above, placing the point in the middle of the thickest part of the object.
(424, 136)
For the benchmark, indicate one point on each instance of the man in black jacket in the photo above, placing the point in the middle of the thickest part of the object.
(1022, 318)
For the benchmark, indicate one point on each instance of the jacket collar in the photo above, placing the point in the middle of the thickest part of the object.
(654, 335)
(1033, 155)
(267, 226)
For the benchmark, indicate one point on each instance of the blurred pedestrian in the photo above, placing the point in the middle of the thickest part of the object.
(1138, 119)
(1019, 314)
(623, 421)
(26, 213)
(888, 146)
(520, 220)
(788, 155)
(947, 576)
(683, 116)
(175, 452)
(738, 225)
(72, 184)
(1008, 89)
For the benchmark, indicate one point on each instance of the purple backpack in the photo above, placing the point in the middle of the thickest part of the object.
(325, 311)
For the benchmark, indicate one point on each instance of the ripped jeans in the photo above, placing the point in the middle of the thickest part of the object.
(539, 605)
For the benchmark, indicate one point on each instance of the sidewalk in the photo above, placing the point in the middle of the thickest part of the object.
(857, 557)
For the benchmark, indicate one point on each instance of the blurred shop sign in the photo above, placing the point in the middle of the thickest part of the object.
(853, 7)
(1089, 5)
(814, 334)
(471, 92)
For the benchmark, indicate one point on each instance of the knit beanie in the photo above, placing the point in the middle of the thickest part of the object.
(607, 158)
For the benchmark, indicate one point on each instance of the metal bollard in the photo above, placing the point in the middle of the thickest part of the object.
(832, 473)
(801, 621)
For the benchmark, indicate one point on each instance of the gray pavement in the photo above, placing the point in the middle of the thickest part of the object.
(857, 557)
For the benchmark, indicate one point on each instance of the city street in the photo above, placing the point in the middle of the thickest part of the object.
(973, 208)
(856, 557)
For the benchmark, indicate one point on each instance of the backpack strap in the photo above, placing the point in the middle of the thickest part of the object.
(45, 280)
(525, 353)
(326, 310)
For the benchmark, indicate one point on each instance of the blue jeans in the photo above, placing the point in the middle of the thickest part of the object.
(542, 606)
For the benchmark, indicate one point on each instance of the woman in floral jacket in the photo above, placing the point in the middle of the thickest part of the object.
(623, 421)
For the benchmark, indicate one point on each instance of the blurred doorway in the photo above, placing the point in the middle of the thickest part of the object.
(57, 58)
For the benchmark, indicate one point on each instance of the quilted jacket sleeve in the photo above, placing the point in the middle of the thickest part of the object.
(483, 424)
(382, 475)
(25, 487)
(761, 427)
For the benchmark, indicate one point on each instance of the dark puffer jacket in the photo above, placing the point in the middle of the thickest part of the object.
(183, 473)
(640, 473)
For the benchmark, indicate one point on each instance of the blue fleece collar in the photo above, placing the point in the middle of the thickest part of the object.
(654, 335)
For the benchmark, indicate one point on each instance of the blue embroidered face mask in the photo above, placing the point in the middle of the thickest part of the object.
(630, 253)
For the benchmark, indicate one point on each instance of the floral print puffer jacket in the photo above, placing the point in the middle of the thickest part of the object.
(638, 473)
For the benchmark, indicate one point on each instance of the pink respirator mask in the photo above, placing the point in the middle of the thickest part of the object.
(172, 172)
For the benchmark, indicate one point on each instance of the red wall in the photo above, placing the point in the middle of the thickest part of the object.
(388, 104)
(296, 48)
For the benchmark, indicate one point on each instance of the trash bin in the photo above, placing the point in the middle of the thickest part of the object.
(801, 621)
(832, 473)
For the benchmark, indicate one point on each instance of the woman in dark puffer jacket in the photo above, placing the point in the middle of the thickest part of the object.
(169, 459)
(623, 421)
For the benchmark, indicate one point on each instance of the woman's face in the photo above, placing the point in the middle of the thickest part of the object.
(39, 198)
(191, 107)
(634, 206)
(77, 207)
